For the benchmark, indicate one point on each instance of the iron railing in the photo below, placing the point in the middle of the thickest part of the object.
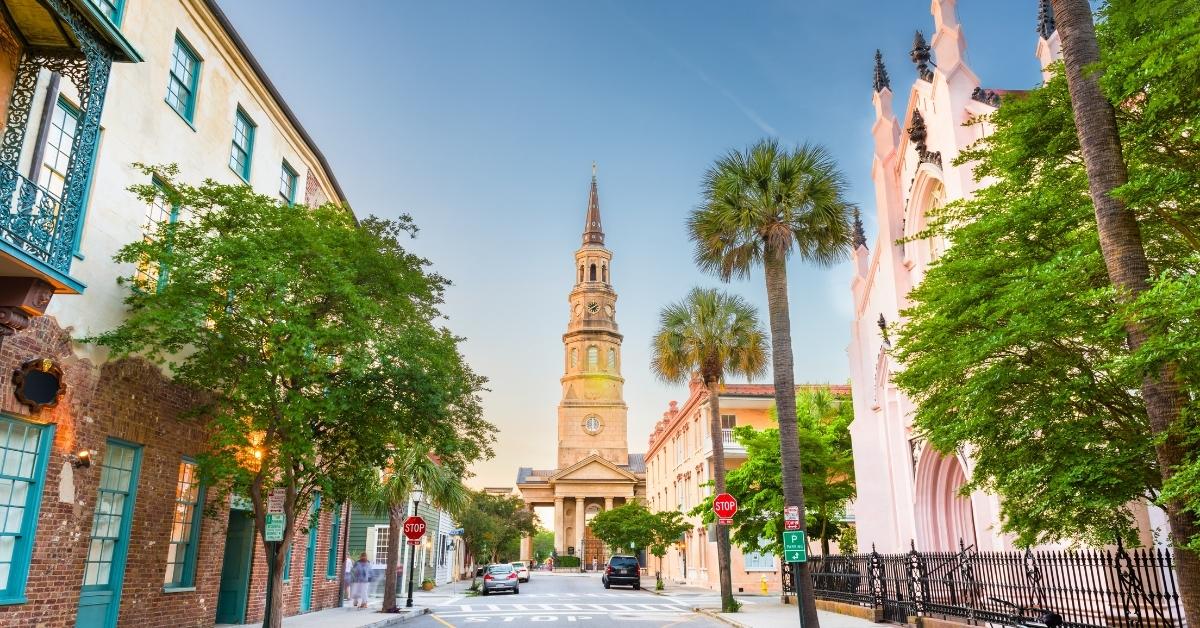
(1089, 588)
(32, 219)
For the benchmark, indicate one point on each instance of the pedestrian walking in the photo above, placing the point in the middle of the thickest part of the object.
(360, 577)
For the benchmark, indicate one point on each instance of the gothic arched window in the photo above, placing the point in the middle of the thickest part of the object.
(581, 272)
(574, 357)
(612, 359)
(604, 273)
(593, 358)
(592, 275)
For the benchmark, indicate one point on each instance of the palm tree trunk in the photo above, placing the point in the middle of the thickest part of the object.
(395, 521)
(713, 382)
(1125, 260)
(775, 267)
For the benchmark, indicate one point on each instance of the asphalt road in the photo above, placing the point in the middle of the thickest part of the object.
(577, 601)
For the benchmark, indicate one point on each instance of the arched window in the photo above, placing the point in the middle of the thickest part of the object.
(574, 357)
(612, 359)
(604, 273)
(593, 358)
(592, 275)
(581, 272)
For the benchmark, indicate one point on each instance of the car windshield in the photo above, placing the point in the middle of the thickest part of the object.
(518, 565)
(624, 561)
(500, 569)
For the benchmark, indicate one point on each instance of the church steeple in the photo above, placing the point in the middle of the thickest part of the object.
(593, 232)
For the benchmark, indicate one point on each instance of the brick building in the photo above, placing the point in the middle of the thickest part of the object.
(103, 519)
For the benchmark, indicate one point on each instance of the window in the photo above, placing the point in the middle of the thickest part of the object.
(24, 449)
(612, 359)
(581, 272)
(111, 520)
(243, 144)
(592, 273)
(287, 183)
(728, 421)
(184, 75)
(593, 358)
(442, 550)
(759, 561)
(60, 138)
(604, 273)
(185, 528)
(151, 276)
(574, 357)
(381, 545)
(334, 539)
(111, 9)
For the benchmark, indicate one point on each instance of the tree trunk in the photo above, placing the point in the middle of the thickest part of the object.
(1125, 260)
(713, 382)
(775, 268)
(395, 522)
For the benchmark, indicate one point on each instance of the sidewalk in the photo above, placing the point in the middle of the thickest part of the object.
(347, 617)
(763, 614)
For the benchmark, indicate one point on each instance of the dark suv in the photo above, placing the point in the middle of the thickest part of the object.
(622, 570)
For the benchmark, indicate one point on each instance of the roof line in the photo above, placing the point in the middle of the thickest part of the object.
(223, 20)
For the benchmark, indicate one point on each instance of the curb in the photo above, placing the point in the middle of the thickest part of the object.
(393, 621)
(719, 617)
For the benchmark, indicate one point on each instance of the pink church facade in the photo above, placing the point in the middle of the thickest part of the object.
(908, 492)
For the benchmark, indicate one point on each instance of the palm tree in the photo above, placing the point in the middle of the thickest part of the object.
(1125, 259)
(410, 467)
(715, 334)
(762, 205)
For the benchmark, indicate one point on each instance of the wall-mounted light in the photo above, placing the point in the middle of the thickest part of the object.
(81, 459)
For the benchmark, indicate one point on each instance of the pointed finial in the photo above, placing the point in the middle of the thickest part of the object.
(860, 236)
(920, 56)
(882, 323)
(1046, 24)
(593, 169)
(593, 231)
(881, 76)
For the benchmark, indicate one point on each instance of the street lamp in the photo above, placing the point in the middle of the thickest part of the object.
(417, 494)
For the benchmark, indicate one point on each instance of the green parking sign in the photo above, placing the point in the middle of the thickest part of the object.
(795, 550)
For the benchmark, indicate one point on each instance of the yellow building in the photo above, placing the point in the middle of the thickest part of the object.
(595, 469)
(679, 463)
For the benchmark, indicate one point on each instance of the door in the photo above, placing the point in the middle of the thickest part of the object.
(310, 556)
(235, 568)
(104, 570)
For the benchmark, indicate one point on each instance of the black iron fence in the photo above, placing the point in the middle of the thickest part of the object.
(1089, 588)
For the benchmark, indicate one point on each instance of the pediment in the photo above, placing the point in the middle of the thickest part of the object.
(592, 468)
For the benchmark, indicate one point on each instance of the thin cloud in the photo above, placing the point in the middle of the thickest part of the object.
(687, 64)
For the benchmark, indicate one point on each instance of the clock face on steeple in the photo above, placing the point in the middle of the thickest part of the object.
(593, 307)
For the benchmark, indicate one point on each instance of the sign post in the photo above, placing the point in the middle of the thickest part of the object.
(414, 529)
(725, 507)
(795, 551)
(274, 528)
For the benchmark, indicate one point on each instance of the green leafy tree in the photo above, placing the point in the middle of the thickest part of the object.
(824, 438)
(761, 206)
(711, 334)
(543, 545)
(668, 527)
(1018, 347)
(628, 527)
(309, 334)
(492, 524)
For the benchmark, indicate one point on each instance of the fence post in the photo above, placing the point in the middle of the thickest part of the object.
(876, 582)
(918, 580)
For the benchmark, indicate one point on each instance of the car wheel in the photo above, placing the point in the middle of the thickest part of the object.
(607, 585)
(516, 590)
(484, 591)
(637, 587)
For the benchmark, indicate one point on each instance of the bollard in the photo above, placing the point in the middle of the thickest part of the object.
(763, 585)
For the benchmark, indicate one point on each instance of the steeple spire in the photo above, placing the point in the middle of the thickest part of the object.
(593, 233)
(1046, 24)
(860, 236)
(881, 76)
(921, 57)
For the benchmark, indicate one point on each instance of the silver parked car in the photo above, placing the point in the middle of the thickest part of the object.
(500, 577)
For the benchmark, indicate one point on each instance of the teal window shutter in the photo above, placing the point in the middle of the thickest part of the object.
(184, 77)
(185, 527)
(334, 537)
(287, 562)
(28, 446)
(243, 145)
(288, 178)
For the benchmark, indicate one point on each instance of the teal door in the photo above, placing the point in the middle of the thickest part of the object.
(104, 570)
(235, 568)
(310, 556)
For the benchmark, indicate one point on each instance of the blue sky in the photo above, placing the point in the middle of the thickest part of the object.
(481, 119)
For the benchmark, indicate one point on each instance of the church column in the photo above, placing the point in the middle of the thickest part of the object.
(527, 541)
(579, 523)
(608, 503)
(560, 531)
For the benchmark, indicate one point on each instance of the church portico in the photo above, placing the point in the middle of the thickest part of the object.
(595, 470)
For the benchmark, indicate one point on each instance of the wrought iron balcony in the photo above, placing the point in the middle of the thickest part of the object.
(35, 221)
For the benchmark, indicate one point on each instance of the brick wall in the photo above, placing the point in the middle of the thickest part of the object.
(325, 591)
(133, 401)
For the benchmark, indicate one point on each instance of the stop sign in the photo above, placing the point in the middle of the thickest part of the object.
(414, 528)
(724, 505)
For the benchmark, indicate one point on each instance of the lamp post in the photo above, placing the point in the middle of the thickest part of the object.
(417, 494)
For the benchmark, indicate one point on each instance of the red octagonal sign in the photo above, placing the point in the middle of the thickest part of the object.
(724, 505)
(414, 528)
